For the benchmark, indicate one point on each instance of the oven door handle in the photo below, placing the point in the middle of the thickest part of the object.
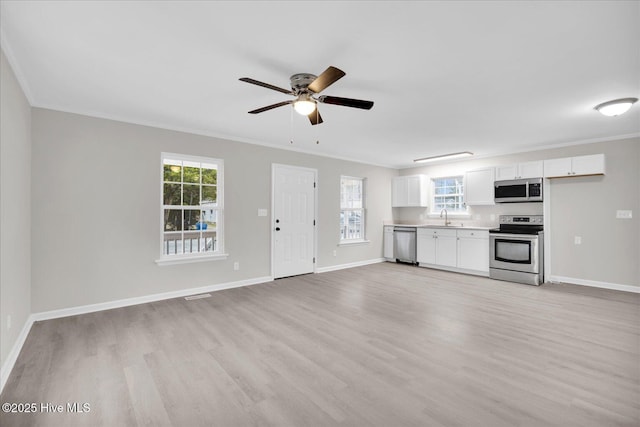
(509, 236)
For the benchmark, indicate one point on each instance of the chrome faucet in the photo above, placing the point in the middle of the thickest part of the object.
(446, 217)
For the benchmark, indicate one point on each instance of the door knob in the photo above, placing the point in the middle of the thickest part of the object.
(277, 228)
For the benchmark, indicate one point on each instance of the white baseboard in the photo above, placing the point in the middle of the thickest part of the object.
(595, 284)
(349, 265)
(72, 311)
(9, 363)
(12, 357)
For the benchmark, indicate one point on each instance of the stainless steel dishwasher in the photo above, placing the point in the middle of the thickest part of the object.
(404, 244)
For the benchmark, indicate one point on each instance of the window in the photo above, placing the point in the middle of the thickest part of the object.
(448, 193)
(192, 208)
(351, 209)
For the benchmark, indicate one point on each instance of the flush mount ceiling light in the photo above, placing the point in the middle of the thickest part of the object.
(615, 107)
(444, 157)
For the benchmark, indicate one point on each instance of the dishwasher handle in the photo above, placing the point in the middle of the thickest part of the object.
(404, 229)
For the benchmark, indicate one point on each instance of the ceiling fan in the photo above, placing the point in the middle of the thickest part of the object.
(305, 87)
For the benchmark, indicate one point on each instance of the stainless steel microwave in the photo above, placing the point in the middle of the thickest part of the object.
(518, 190)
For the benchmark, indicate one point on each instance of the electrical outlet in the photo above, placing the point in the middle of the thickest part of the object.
(9, 321)
(577, 240)
(262, 212)
(335, 253)
(236, 266)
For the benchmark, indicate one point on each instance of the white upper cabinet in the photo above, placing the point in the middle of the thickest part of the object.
(399, 195)
(557, 167)
(416, 191)
(520, 171)
(411, 190)
(478, 187)
(574, 166)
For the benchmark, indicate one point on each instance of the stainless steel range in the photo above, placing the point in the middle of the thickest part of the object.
(516, 249)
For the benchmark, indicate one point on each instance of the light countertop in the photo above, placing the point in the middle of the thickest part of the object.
(455, 226)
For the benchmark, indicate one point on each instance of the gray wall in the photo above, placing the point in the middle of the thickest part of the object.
(580, 206)
(15, 208)
(586, 207)
(96, 201)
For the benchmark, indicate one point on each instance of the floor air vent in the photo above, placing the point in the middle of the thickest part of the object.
(189, 298)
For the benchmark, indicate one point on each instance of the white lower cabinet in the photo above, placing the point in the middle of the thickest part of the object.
(473, 250)
(457, 250)
(446, 250)
(436, 246)
(425, 246)
(387, 251)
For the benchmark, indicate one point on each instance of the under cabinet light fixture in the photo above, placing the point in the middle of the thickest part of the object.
(615, 107)
(444, 157)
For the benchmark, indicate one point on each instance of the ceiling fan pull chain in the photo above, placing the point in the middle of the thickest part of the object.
(317, 127)
(291, 127)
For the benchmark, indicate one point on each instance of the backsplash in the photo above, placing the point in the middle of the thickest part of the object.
(479, 216)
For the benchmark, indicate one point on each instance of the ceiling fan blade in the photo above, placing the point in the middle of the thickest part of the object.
(267, 85)
(346, 102)
(315, 118)
(326, 79)
(270, 107)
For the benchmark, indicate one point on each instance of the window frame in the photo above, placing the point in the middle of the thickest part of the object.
(454, 213)
(362, 210)
(219, 253)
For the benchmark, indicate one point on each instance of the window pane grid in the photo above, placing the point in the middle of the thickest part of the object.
(351, 208)
(448, 193)
(351, 224)
(190, 207)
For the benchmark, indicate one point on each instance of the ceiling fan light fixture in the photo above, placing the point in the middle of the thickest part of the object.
(444, 157)
(304, 106)
(615, 107)
(304, 87)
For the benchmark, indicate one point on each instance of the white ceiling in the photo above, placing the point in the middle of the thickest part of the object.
(489, 77)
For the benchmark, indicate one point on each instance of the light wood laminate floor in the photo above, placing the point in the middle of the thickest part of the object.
(381, 345)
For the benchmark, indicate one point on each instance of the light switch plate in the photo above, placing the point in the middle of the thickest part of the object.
(262, 212)
(624, 214)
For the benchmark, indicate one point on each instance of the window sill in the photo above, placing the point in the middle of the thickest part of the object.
(353, 242)
(182, 259)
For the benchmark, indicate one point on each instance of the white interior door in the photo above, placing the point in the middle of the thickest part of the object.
(293, 220)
